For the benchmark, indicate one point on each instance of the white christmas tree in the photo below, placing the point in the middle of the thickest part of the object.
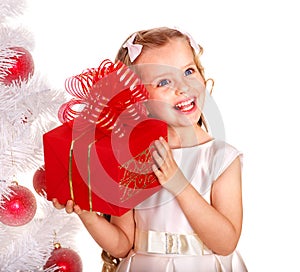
(28, 109)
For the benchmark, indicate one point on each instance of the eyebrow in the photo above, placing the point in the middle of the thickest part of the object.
(155, 78)
(189, 64)
(165, 74)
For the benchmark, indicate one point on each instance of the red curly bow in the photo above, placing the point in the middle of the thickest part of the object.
(103, 95)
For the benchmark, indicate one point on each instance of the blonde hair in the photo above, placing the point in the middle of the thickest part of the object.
(157, 37)
(110, 263)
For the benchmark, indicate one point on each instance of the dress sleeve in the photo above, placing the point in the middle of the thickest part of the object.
(224, 155)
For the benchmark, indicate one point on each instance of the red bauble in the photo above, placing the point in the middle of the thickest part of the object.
(39, 181)
(20, 208)
(22, 68)
(66, 259)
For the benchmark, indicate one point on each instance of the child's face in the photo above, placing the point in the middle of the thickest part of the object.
(176, 88)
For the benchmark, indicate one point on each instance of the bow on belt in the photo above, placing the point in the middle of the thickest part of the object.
(169, 243)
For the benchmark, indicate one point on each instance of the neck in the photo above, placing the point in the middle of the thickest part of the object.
(187, 136)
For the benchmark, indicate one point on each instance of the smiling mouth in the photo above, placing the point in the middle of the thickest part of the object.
(186, 106)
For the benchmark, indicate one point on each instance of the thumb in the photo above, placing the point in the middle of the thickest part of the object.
(77, 210)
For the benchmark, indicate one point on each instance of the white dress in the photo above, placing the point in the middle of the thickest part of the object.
(164, 239)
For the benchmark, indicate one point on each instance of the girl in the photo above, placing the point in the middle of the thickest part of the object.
(194, 223)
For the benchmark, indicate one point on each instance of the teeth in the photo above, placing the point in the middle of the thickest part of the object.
(185, 104)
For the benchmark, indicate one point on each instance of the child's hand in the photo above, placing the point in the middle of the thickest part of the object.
(166, 169)
(69, 207)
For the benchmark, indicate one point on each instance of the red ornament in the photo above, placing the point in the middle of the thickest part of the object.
(22, 68)
(39, 181)
(20, 208)
(66, 259)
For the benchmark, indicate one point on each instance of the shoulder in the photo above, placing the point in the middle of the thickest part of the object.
(222, 156)
(221, 145)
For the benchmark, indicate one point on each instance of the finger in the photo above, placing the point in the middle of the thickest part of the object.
(157, 159)
(164, 143)
(57, 205)
(157, 172)
(160, 149)
(70, 206)
(77, 209)
(166, 146)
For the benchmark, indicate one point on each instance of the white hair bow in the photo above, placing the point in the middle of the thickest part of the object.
(193, 43)
(134, 49)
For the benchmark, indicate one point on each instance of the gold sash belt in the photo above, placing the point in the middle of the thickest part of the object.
(169, 243)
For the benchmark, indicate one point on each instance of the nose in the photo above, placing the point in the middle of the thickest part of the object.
(181, 88)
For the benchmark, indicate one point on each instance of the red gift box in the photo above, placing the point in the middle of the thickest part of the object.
(110, 174)
(101, 156)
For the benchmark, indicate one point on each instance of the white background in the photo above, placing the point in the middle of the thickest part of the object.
(251, 49)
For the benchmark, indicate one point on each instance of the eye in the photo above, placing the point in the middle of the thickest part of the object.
(163, 82)
(189, 71)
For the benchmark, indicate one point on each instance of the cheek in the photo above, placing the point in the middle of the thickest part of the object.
(152, 93)
(155, 95)
(151, 109)
(201, 91)
(201, 100)
(157, 108)
(154, 102)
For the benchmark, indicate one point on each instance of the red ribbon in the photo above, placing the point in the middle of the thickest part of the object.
(101, 95)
